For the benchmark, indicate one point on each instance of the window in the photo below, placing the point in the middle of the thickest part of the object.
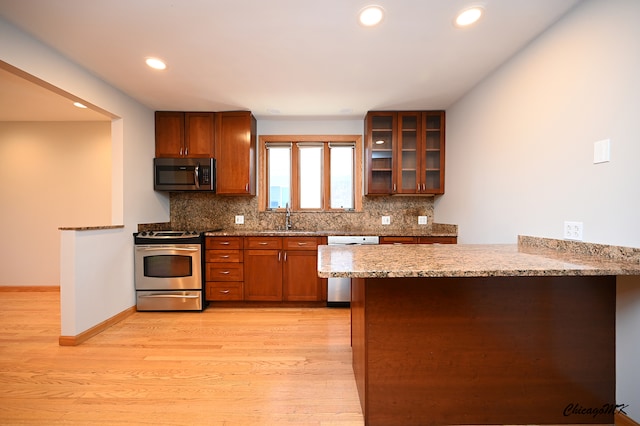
(311, 173)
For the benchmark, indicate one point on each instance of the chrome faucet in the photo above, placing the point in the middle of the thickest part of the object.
(287, 218)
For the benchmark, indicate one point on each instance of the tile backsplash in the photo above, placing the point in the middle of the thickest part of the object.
(203, 211)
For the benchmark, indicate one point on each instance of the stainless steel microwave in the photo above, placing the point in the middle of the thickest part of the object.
(184, 174)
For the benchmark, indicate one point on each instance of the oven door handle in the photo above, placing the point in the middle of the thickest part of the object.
(170, 296)
(165, 248)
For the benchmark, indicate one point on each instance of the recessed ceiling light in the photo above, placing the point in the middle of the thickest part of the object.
(156, 63)
(79, 105)
(371, 15)
(469, 16)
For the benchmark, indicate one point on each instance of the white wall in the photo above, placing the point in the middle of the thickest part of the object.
(51, 175)
(520, 149)
(310, 127)
(88, 298)
(520, 146)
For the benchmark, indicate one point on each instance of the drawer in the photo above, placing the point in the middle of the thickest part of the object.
(224, 272)
(263, 243)
(214, 243)
(221, 291)
(302, 243)
(224, 256)
(398, 240)
(437, 240)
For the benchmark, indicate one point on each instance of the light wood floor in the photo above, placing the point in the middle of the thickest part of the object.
(219, 367)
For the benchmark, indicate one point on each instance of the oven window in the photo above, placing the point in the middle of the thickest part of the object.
(167, 266)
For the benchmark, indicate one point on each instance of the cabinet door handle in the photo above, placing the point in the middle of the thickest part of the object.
(180, 151)
(186, 151)
(394, 187)
(246, 188)
(285, 256)
(279, 256)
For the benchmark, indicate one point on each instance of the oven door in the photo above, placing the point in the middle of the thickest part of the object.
(168, 267)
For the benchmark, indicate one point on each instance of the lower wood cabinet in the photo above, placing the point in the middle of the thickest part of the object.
(282, 269)
(300, 281)
(224, 271)
(265, 269)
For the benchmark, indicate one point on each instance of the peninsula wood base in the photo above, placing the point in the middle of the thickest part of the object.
(489, 350)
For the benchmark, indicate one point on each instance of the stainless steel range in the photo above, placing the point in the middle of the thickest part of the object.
(168, 271)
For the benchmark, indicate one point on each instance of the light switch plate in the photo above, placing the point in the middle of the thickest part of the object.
(422, 220)
(386, 220)
(602, 151)
(239, 220)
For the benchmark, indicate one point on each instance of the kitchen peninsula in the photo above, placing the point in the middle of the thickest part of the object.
(483, 334)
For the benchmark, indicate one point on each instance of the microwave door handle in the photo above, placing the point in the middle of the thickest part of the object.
(196, 176)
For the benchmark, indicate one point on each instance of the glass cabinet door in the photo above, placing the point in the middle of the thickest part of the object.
(380, 179)
(433, 155)
(409, 156)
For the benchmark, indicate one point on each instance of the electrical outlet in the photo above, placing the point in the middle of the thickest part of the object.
(422, 220)
(386, 220)
(239, 220)
(573, 231)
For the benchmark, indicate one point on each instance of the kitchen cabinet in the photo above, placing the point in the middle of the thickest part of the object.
(417, 240)
(224, 270)
(282, 269)
(300, 274)
(235, 153)
(263, 269)
(404, 152)
(185, 134)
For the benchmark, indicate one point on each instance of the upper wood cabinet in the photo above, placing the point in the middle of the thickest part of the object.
(185, 134)
(404, 152)
(235, 153)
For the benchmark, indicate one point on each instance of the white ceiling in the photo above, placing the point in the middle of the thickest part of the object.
(284, 58)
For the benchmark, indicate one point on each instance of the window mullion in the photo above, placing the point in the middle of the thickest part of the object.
(295, 179)
(326, 178)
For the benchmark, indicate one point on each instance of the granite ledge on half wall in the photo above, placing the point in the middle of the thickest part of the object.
(89, 228)
(579, 249)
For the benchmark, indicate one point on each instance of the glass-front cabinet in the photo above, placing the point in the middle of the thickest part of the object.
(405, 152)
(381, 141)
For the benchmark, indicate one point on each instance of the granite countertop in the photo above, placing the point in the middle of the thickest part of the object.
(434, 230)
(527, 258)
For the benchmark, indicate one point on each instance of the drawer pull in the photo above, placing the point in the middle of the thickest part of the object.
(225, 291)
(225, 272)
(262, 243)
(224, 243)
(224, 256)
(300, 243)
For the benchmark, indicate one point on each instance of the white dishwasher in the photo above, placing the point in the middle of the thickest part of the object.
(339, 289)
